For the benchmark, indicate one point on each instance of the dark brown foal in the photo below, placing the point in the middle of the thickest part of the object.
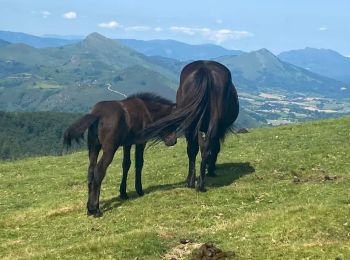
(113, 124)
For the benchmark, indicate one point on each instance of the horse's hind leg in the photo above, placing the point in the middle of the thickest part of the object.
(214, 151)
(192, 151)
(139, 164)
(95, 187)
(94, 149)
(126, 167)
(204, 147)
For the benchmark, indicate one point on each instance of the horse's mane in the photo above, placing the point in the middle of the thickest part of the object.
(151, 97)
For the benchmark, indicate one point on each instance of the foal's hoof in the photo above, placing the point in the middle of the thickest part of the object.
(123, 196)
(96, 213)
(201, 189)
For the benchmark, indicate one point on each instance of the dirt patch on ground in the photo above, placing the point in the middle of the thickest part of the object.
(315, 179)
(196, 251)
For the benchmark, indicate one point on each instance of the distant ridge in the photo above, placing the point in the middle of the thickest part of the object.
(165, 48)
(3, 43)
(322, 61)
(261, 69)
(178, 50)
(34, 41)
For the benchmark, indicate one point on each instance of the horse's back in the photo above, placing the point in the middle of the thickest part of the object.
(137, 114)
(220, 75)
(107, 108)
(223, 102)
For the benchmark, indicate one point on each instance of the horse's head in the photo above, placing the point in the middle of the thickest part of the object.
(169, 139)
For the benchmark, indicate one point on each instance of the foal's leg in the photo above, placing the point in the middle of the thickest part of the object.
(94, 149)
(214, 151)
(95, 186)
(139, 164)
(192, 151)
(126, 167)
(204, 146)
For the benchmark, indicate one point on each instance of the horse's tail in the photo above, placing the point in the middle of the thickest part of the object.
(189, 116)
(77, 129)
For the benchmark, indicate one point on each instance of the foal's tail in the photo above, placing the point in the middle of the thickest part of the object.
(77, 129)
(189, 116)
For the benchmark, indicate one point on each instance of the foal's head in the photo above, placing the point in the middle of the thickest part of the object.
(159, 108)
(169, 137)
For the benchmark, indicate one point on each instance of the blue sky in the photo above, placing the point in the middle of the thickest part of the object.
(277, 25)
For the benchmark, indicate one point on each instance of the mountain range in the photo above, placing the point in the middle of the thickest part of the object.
(34, 41)
(178, 50)
(164, 48)
(322, 61)
(325, 62)
(261, 70)
(75, 76)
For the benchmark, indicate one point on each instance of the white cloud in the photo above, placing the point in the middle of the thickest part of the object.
(223, 35)
(158, 29)
(138, 28)
(348, 56)
(185, 30)
(217, 36)
(109, 25)
(219, 21)
(323, 28)
(70, 15)
(45, 14)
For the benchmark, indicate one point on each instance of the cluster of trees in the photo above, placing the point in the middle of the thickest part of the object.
(33, 134)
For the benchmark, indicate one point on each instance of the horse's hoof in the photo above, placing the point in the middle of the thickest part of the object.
(141, 193)
(96, 213)
(190, 185)
(123, 196)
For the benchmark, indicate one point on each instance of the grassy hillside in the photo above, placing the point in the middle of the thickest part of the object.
(281, 193)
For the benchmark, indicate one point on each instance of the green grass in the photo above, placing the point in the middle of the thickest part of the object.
(253, 207)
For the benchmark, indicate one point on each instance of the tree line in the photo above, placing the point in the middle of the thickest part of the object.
(25, 134)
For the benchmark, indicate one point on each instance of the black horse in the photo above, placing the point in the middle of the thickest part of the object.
(112, 124)
(207, 105)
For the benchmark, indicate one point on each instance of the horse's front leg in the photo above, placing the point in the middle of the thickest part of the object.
(139, 151)
(126, 166)
(93, 204)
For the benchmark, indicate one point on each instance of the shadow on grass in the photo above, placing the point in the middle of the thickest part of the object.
(227, 173)
(115, 202)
